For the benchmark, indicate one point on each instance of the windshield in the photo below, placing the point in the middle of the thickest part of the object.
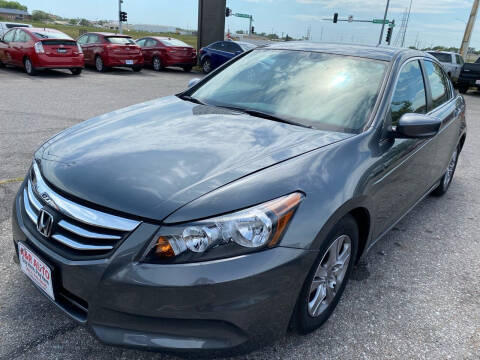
(120, 40)
(174, 42)
(325, 91)
(447, 58)
(52, 35)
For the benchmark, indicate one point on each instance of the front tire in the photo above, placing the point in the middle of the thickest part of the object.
(29, 68)
(187, 69)
(447, 178)
(328, 277)
(76, 71)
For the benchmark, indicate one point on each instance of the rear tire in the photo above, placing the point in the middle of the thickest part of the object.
(76, 71)
(2, 65)
(447, 178)
(187, 69)
(99, 65)
(157, 63)
(206, 65)
(327, 279)
(29, 68)
(463, 89)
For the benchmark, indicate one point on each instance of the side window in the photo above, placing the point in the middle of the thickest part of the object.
(231, 47)
(438, 84)
(409, 96)
(21, 36)
(141, 42)
(93, 39)
(82, 40)
(459, 60)
(151, 43)
(9, 36)
(218, 46)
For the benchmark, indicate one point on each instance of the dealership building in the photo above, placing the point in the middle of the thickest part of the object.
(14, 14)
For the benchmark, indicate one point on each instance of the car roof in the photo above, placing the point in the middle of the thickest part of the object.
(108, 34)
(442, 52)
(384, 53)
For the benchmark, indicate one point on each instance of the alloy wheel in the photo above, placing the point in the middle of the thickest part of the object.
(207, 66)
(451, 169)
(329, 275)
(99, 64)
(157, 65)
(28, 66)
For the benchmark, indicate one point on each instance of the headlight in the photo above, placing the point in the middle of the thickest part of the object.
(258, 227)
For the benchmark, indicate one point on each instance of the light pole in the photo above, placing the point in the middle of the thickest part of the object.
(468, 30)
(119, 16)
(383, 24)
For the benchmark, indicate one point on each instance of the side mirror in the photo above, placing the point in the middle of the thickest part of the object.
(193, 82)
(413, 125)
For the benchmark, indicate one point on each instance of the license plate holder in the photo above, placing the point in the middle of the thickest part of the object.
(36, 269)
(62, 51)
(129, 62)
(477, 82)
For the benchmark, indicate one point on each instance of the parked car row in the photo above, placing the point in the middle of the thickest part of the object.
(35, 49)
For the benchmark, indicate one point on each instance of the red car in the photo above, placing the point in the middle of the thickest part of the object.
(161, 52)
(107, 50)
(37, 49)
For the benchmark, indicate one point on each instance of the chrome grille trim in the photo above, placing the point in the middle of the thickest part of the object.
(79, 212)
(79, 246)
(33, 200)
(77, 230)
(28, 209)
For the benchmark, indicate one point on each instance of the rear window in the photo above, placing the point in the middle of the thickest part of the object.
(120, 40)
(447, 58)
(51, 35)
(174, 42)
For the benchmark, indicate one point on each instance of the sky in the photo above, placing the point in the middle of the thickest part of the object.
(432, 22)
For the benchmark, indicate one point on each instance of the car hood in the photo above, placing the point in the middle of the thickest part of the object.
(150, 159)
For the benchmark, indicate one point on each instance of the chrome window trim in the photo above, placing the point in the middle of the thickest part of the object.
(79, 212)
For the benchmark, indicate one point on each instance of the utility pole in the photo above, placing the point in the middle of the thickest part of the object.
(119, 12)
(383, 24)
(469, 30)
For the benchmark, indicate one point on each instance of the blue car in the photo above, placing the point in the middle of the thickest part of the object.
(218, 53)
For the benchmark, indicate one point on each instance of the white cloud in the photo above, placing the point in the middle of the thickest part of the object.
(419, 6)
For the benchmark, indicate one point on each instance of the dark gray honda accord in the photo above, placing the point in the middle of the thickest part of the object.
(217, 218)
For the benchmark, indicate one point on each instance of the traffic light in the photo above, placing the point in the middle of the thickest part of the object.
(389, 34)
(253, 29)
(228, 12)
(123, 16)
(335, 18)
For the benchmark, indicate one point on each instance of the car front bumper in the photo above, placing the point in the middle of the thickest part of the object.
(237, 304)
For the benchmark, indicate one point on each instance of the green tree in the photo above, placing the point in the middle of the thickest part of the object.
(12, 5)
(84, 22)
(39, 15)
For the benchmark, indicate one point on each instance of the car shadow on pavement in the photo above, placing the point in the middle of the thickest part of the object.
(19, 72)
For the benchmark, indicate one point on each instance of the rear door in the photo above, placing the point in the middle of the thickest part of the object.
(150, 47)
(458, 66)
(20, 45)
(83, 42)
(9, 50)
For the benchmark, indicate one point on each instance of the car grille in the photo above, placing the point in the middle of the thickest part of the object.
(78, 231)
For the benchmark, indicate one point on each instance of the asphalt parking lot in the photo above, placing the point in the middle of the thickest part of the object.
(416, 295)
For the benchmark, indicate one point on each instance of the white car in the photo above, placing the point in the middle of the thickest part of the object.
(451, 62)
(5, 26)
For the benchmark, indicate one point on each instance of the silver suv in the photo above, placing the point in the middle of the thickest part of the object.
(451, 62)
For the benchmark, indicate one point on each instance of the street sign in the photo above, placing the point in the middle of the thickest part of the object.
(380, 21)
(243, 15)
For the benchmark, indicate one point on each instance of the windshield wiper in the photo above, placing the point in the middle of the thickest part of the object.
(191, 99)
(263, 115)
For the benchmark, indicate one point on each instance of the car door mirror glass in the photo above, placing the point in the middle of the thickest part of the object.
(412, 125)
(193, 82)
